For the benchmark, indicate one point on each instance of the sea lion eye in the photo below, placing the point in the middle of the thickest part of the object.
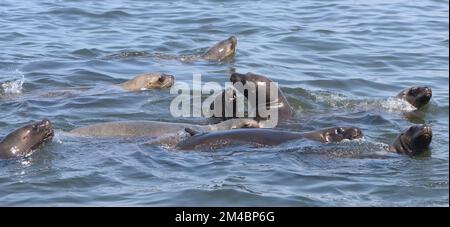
(339, 131)
(161, 79)
(414, 91)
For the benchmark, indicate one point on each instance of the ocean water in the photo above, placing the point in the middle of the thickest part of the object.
(338, 63)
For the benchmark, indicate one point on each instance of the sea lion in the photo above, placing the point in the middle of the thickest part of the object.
(285, 111)
(24, 140)
(148, 81)
(264, 137)
(140, 82)
(416, 96)
(154, 128)
(221, 50)
(413, 141)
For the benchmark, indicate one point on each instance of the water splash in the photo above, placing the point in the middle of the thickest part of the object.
(338, 101)
(14, 86)
(395, 104)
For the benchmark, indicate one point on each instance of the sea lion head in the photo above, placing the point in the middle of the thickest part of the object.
(249, 77)
(26, 139)
(413, 141)
(338, 134)
(416, 96)
(222, 49)
(274, 97)
(257, 80)
(151, 81)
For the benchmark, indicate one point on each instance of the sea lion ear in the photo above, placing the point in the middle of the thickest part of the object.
(191, 132)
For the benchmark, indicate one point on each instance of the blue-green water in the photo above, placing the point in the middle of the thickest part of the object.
(336, 61)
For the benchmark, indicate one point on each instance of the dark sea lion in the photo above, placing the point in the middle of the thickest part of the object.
(285, 111)
(416, 96)
(154, 128)
(413, 141)
(264, 137)
(221, 50)
(148, 81)
(26, 139)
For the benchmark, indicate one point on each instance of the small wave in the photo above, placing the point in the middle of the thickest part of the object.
(59, 136)
(14, 86)
(85, 52)
(126, 54)
(391, 104)
(332, 99)
(86, 13)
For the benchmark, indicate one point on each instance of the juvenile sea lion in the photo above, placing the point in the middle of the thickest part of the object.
(221, 50)
(148, 81)
(26, 139)
(154, 128)
(416, 96)
(413, 141)
(264, 137)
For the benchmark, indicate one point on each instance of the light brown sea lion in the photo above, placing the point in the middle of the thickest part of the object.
(148, 81)
(24, 140)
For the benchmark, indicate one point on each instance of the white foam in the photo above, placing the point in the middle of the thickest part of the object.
(14, 86)
(391, 104)
(332, 99)
(395, 104)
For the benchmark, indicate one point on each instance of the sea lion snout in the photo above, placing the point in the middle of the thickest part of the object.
(423, 134)
(233, 40)
(349, 133)
(423, 95)
(221, 50)
(166, 80)
(47, 127)
(428, 91)
(41, 132)
(353, 133)
(337, 134)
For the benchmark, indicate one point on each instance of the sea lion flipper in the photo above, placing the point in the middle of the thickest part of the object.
(191, 132)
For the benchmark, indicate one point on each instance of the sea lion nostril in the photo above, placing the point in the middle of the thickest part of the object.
(427, 129)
